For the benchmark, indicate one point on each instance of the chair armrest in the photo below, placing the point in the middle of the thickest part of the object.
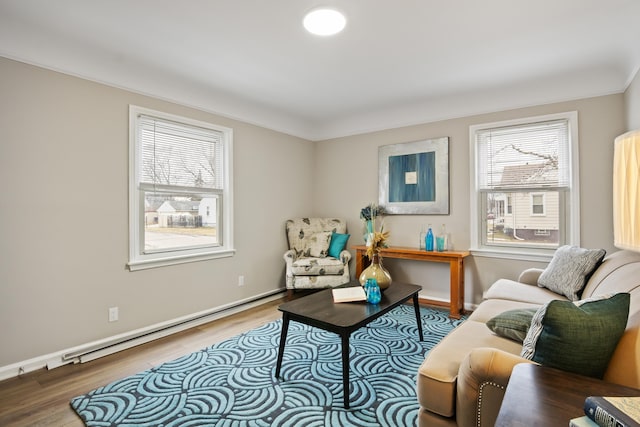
(289, 257)
(345, 256)
(530, 276)
(482, 379)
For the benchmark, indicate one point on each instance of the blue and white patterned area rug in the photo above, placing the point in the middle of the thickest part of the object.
(232, 383)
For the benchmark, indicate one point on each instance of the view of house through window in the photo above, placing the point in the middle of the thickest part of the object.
(179, 220)
(528, 221)
(523, 184)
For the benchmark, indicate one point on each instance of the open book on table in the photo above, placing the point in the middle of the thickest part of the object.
(353, 293)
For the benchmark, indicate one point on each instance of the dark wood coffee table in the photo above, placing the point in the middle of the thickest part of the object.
(547, 397)
(319, 310)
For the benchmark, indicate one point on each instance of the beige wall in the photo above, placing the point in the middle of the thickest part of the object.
(64, 233)
(63, 220)
(350, 181)
(632, 103)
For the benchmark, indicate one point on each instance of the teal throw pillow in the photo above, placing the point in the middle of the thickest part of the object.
(578, 336)
(512, 324)
(338, 243)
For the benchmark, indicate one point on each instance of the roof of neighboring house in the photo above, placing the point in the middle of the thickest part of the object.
(152, 204)
(531, 173)
(179, 206)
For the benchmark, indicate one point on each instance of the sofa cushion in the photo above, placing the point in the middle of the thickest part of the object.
(578, 336)
(567, 272)
(315, 282)
(515, 291)
(317, 246)
(317, 266)
(512, 324)
(337, 244)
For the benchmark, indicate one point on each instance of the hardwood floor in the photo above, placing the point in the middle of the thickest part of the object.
(41, 398)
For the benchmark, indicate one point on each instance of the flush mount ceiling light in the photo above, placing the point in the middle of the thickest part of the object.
(324, 22)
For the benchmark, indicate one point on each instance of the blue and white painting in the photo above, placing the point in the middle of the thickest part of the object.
(414, 177)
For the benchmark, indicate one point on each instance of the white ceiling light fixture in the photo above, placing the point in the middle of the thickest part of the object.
(324, 22)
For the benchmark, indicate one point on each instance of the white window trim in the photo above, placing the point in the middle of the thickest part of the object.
(139, 260)
(570, 209)
(544, 204)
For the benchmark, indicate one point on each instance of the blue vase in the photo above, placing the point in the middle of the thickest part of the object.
(372, 290)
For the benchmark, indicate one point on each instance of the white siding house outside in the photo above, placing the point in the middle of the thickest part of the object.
(524, 223)
(529, 215)
(176, 211)
(207, 211)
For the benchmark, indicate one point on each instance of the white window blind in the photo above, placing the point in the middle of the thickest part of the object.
(521, 157)
(174, 154)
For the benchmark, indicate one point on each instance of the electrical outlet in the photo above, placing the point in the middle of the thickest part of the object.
(113, 314)
(240, 280)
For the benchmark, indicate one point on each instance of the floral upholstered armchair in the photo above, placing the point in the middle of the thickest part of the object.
(317, 257)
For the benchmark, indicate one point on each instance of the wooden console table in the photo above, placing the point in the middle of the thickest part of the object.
(454, 258)
(546, 397)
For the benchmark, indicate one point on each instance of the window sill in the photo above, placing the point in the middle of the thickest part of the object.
(173, 260)
(513, 254)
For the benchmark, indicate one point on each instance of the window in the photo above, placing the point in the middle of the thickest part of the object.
(537, 204)
(499, 209)
(180, 199)
(529, 166)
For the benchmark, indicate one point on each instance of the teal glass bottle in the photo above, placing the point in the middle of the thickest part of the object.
(429, 240)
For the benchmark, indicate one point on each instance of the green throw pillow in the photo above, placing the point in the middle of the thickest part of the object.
(512, 324)
(338, 243)
(578, 336)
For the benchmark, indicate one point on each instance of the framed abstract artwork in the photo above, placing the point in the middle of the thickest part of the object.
(414, 177)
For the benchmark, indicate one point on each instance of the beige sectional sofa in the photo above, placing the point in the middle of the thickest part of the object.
(462, 380)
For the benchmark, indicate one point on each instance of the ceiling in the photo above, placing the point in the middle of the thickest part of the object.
(397, 63)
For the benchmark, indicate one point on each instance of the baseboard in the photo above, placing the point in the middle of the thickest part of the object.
(439, 302)
(113, 344)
